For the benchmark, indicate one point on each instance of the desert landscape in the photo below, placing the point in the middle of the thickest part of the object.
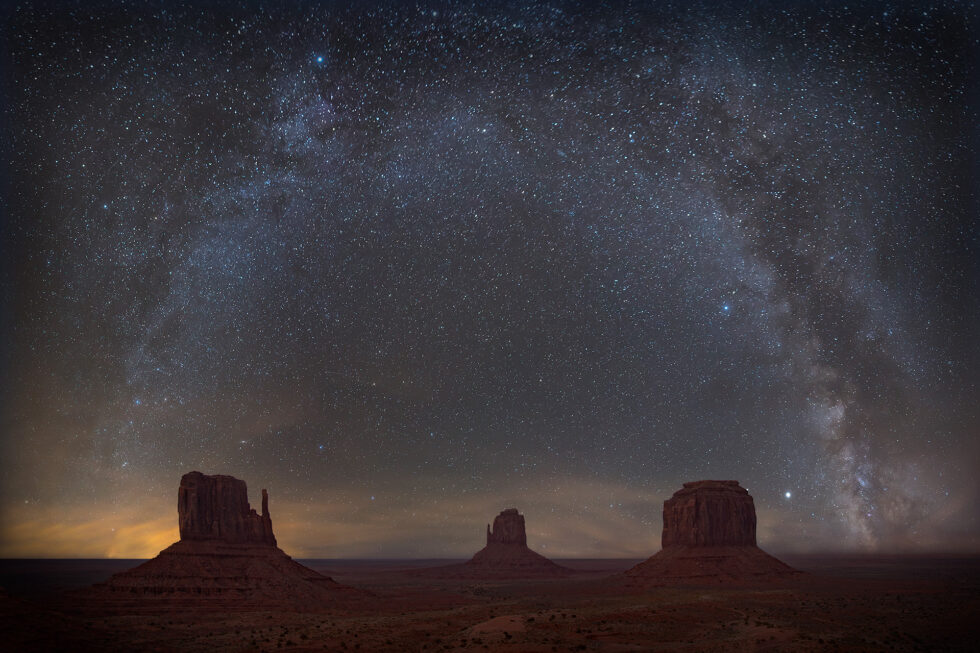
(227, 586)
(842, 603)
(625, 326)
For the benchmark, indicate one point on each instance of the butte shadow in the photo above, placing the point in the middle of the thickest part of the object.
(227, 556)
(506, 555)
(709, 537)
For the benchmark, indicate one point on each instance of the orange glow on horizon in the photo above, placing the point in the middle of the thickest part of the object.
(26, 535)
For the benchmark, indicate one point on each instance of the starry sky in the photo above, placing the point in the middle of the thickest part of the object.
(407, 265)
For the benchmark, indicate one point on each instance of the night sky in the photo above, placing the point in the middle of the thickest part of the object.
(409, 265)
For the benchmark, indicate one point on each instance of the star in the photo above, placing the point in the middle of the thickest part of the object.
(472, 254)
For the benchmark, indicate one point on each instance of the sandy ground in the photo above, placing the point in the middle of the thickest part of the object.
(843, 603)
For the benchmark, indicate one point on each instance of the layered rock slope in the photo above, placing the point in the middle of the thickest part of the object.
(227, 553)
(506, 554)
(709, 536)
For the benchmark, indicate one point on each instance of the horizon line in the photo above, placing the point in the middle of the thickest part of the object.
(958, 553)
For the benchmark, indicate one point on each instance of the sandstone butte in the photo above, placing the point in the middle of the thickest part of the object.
(507, 553)
(709, 536)
(227, 553)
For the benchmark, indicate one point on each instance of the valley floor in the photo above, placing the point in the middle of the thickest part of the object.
(842, 603)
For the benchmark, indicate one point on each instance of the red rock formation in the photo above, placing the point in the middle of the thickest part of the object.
(709, 536)
(709, 513)
(216, 508)
(227, 553)
(212, 572)
(506, 554)
(508, 528)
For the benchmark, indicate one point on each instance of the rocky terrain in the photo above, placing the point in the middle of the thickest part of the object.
(506, 554)
(226, 553)
(843, 603)
(709, 537)
(216, 508)
(226, 586)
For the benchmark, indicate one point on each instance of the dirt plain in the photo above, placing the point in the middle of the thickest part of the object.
(841, 603)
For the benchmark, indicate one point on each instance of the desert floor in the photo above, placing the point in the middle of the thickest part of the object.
(842, 603)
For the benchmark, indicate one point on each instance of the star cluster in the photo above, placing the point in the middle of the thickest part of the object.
(403, 264)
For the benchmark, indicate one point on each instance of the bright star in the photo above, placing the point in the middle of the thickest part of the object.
(788, 494)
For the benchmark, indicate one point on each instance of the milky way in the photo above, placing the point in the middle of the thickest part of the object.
(405, 265)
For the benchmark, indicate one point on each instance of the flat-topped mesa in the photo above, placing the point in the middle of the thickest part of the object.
(508, 528)
(709, 513)
(216, 508)
(709, 537)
